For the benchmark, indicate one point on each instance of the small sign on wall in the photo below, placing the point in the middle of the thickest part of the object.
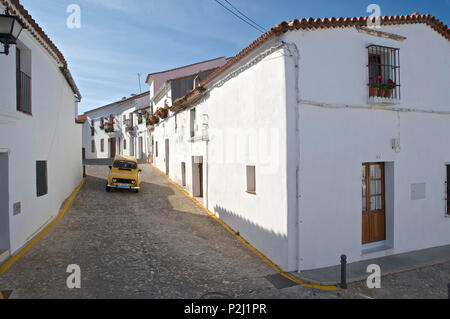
(418, 191)
(16, 208)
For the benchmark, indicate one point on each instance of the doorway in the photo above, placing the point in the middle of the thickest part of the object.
(373, 203)
(141, 147)
(167, 157)
(183, 174)
(197, 176)
(4, 203)
(112, 147)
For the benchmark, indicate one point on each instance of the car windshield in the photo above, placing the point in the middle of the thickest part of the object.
(125, 165)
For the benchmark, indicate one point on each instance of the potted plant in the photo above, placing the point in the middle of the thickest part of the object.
(163, 112)
(140, 119)
(130, 128)
(390, 86)
(374, 89)
(386, 89)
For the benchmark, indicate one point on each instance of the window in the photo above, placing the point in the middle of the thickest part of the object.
(41, 178)
(384, 72)
(23, 80)
(92, 128)
(448, 190)
(92, 146)
(102, 145)
(124, 144)
(251, 180)
(192, 122)
(156, 153)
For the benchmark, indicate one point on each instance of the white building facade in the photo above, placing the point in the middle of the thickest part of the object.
(40, 141)
(117, 129)
(290, 146)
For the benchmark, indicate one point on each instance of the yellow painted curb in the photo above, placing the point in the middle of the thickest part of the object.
(63, 210)
(247, 244)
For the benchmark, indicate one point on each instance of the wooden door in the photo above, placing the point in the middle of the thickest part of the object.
(112, 146)
(200, 171)
(373, 203)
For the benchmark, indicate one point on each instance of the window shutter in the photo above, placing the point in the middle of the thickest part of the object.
(41, 178)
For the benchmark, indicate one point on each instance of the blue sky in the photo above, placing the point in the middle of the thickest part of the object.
(120, 38)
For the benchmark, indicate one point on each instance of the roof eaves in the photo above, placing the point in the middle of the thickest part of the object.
(325, 23)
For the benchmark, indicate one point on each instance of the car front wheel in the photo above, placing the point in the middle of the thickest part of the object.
(108, 189)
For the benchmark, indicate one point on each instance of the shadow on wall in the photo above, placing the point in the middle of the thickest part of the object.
(274, 246)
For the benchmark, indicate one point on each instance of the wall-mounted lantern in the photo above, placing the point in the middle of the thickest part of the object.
(10, 29)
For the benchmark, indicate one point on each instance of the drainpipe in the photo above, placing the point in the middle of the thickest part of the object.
(206, 138)
(293, 53)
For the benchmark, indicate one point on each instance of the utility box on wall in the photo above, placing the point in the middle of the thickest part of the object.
(418, 191)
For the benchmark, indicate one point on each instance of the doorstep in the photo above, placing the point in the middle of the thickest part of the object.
(389, 265)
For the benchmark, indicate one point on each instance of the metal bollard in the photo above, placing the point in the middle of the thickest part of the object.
(343, 284)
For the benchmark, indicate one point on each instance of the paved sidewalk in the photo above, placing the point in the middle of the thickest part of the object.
(389, 265)
(159, 244)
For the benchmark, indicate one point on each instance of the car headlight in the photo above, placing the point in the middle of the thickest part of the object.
(133, 182)
(114, 180)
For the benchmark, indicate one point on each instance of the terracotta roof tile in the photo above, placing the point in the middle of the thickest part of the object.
(39, 32)
(324, 23)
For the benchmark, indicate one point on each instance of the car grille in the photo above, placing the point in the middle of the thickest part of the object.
(124, 181)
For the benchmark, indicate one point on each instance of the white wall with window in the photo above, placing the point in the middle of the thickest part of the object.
(44, 133)
(123, 136)
(340, 130)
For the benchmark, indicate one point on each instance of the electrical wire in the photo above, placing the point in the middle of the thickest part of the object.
(248, 18)
(232, 12)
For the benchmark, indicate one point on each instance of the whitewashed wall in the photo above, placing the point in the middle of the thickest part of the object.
(49, 134)
(332, 144)
(118, 110)
(252, 103)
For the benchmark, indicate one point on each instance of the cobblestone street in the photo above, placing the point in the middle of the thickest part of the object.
(159, 244)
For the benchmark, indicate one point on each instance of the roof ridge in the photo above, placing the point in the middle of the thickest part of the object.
(323, 23)
(120, 101)
(182, 67)
(24, 12)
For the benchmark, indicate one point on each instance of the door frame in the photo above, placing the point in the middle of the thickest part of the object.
(370, 218)
(167, 153)
(5, 243)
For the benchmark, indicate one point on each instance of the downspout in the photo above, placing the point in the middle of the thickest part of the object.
(206, 137)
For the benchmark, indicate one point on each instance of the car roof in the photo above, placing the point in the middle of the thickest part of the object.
(125, 158)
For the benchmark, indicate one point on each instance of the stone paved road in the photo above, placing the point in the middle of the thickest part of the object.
(159, 244)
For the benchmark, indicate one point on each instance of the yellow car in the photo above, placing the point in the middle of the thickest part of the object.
(124, 174)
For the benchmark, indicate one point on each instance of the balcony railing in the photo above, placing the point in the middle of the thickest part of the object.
(23, 93)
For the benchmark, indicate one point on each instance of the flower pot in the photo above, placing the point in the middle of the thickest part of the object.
(374, 92)
(388, 93)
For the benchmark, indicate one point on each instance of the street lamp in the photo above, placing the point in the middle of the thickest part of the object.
(10, 29)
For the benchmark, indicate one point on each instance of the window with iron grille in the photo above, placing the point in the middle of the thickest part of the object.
(384, 72)
(41, 178)
(23, 81)
(92, 128)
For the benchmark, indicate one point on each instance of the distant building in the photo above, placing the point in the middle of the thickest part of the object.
(40, 135)
(117, 128)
